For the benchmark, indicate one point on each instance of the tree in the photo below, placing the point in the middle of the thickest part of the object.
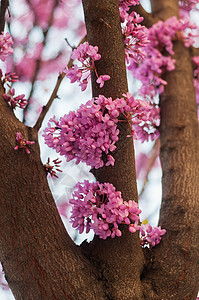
(39, 258)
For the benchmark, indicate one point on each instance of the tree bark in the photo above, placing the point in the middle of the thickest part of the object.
(120, 259)
(174, 271)
(39, 259)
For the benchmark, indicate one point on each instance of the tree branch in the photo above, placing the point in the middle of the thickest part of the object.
(121, 259)
(39, 258)
(194, 51)
(46, 108)
(38, 61)
(153, 154)
(164, 9)
(175, 260)
(4, 5)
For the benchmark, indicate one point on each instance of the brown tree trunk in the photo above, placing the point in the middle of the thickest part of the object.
(121, 259)
(39, 259)
(174, 273)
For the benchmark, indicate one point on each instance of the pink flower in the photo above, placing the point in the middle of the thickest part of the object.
(153, 64)
(83, 84)
(53, 167)
(86, 55)
(101, 79)
(9, 77)
(134, 227)
(85, 51)
(135, 36)
(101, 208)
(26, 68)
(125, 4)
(5, 45)
(151, 235)
(74, 74)
(89, 135)
(19, 100)
(22, 143)
(187, 5)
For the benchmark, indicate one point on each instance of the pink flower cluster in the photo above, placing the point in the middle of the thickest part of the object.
(151, 235)
(161, 36)
(18, 101)
(187, 5)
(85, 135)
(8, 77)
(52, 167)
(86, 55)
(89, 135)
(22, 143)
(5, 45)
(135, 36)
(145, 119)
(125, 4)
(99, 207)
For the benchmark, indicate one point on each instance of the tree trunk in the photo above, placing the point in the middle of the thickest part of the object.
(39, 259)
(174, 273)
(121, 275)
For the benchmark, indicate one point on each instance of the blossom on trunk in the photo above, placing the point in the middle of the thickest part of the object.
(18, 101)
(100, 207)
(51, 168)
(86, 55)
(151, 235)
(22, 143)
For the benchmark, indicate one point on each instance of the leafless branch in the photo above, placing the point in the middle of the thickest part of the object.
(4, 5)
(54, 93)
(153, 154)
(38, 61)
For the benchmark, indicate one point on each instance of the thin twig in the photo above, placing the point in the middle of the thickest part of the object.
(72, 47)
(54, 93)
(154, 152)
(38, 61)
(4, 5)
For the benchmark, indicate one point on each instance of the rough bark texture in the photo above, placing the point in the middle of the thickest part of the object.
(39, 258)
(121, 259)
(175, 269)
(164, 9)
(3, 7)
(111, 48)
